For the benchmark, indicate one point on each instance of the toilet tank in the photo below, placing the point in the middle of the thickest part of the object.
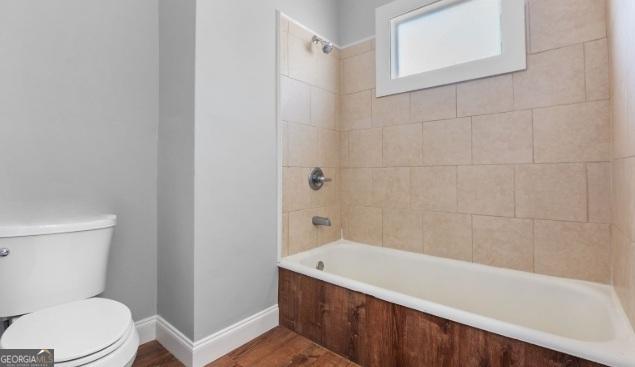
(49, 262)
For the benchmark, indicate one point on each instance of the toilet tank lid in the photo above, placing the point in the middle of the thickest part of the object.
(33, 226)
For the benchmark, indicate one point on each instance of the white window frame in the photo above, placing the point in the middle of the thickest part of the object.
(513, 56)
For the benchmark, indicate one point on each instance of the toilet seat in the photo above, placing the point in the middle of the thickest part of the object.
(81, 333)
(102, 353)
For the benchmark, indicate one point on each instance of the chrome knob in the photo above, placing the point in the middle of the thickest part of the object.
(317, 178)
(4, 252)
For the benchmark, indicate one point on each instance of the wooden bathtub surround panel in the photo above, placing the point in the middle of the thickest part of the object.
(279, 347)
(375, 333)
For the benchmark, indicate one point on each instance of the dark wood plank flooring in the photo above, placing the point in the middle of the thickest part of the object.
(152, 354)
(279, 347)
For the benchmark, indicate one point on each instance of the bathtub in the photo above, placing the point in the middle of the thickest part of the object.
(578, 318)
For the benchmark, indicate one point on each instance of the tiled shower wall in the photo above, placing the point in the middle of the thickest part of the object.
(510, 171)
(309, 94)
(622, 37)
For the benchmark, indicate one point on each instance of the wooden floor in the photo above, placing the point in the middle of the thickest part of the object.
(279, 347)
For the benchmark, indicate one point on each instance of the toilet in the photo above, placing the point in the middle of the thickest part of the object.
(53, 269)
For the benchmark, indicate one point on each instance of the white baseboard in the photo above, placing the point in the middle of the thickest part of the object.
(224, 341)
(175, 341)
(147, 329)
(210, 348)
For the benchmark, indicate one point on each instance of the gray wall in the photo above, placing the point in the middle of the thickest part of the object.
(175, 299)
(78, 124)
(236, 154)
(357, 19)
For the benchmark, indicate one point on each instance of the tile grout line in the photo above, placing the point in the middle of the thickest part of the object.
(524, 109)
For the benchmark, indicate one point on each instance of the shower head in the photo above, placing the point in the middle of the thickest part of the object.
(327, 46)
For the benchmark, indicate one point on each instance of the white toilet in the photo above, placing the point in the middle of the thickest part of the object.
(49, 271)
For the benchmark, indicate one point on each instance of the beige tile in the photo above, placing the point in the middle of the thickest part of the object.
(323, 108)
(364, 148)
(551, 191)
(573, 250)
(301, 61)
(391, 110)
(333, 233)
(363, 224)
(623, 196)
(327, 195)
(303, 150)
(356, 186)
(297, 194)
(358, 73)
(338, 112)
(447, 142)
(448, 235)
(285, 234)
(402, 145)
(308, 64)
(284, 23)
(357, 49)
(560, 23)
(504, 242)
(285, 143)
(343, 146)
(599, 181)
(328, 71)
(486, 190)
(297, 30)
(283, 52)
(623, 119)
(631, 197)
(402, 230)
(433, 188)
(302, 232)
(502, 138)
(485, 96)
(631, 309)
(433, 104)
(295, 100)
(356, 111)
(328, 149)
(623, 270)
(552, 78)
(573, 133)
(391, 187)
(597, 69)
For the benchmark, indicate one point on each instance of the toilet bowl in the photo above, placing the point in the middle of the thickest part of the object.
(57, 266)
(92, 332)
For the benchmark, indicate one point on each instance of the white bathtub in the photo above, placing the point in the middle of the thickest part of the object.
(579, 318)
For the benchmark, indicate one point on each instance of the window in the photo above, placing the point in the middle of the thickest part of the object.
(426, 43)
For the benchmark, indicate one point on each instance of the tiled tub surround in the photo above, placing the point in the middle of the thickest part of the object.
(511, 171)
(309, 94)
(621, 36)
(383, 307)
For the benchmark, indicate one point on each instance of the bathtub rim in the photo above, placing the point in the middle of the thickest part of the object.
(619, 351)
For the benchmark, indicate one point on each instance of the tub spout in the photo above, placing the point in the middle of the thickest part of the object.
(321, 221)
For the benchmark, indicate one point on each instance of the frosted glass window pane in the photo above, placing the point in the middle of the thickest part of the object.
(456, 34)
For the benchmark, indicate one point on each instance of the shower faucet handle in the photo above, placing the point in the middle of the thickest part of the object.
(317, 178)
